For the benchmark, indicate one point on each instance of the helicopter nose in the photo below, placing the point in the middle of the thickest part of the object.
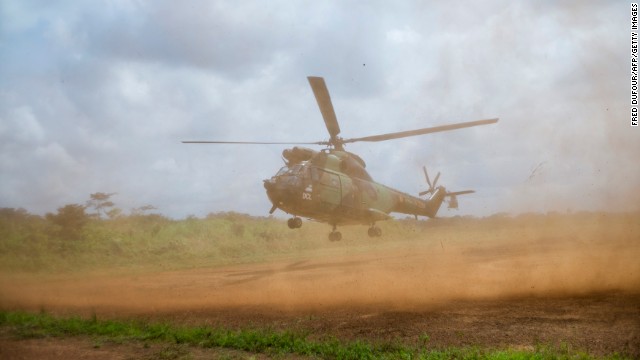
(269, 184)
(273, 190)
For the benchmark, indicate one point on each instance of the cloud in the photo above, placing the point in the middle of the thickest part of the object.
(96, 97)
(21, 125)
(405, 35)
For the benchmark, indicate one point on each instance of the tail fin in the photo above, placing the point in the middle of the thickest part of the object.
(435, 201)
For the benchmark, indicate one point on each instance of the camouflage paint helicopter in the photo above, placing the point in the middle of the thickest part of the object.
(333, 186)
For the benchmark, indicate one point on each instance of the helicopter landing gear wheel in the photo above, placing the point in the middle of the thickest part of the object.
(294, 223)
(335, 235)
(374, 231)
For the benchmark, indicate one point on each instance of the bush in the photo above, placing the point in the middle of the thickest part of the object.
(71, 219)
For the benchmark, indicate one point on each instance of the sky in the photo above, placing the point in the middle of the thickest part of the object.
(97, 97)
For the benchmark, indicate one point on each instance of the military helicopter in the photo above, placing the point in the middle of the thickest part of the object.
(332, 185)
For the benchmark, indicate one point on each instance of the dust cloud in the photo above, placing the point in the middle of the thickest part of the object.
(535, 256)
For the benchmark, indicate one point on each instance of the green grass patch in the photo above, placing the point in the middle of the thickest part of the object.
(29, 325)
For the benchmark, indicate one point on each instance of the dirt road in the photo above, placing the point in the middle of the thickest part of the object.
(502, 294)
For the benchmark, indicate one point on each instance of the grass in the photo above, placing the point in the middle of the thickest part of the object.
(29, 325)
(30, 244)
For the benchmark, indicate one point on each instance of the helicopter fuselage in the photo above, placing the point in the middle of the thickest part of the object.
(332, 186)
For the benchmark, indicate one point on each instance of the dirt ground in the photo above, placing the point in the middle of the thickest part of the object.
(87, 348)
(537, 291)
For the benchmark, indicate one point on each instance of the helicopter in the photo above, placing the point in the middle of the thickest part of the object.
(332, 185)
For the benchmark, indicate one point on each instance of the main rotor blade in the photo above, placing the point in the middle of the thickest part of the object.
(423, 131)
(321, 93)
(255, 142)
(460, 192)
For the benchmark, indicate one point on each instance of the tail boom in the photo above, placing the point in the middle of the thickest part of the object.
(411, 205)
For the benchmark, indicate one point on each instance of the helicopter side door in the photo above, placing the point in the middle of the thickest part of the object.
(326, 188)
(350, 194)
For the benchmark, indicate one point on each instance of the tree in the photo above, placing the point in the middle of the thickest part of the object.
(17, 221)
(101, 203)
(15, 215)
(139, 211)
(114, 213)
(71, 218)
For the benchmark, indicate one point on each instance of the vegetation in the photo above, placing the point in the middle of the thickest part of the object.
(98, 235)
(26, 325)
(69, 220)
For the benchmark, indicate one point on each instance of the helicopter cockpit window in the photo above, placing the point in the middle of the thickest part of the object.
(282, 171)
(296, 170)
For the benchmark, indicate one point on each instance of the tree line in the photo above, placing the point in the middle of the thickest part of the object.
(69, 220)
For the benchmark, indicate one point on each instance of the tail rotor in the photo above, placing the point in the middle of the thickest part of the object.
(452, 197)
(432, 186)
